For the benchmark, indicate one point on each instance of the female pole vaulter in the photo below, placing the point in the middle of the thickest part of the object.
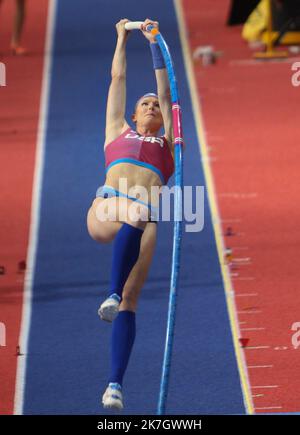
(143, 158)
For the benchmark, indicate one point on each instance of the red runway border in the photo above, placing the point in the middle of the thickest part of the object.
(19, 114)
(252, 123)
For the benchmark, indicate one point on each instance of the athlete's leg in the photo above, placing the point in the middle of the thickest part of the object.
(101, 231)
(114, 210)
(123, 329)
(127, 241)
(139, 273)
(18, 26)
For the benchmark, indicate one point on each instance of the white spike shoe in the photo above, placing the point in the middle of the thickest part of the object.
(113, 398)
(109, 309)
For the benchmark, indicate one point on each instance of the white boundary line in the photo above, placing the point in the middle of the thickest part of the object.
(249, 312)
(242, 295)
(261, 367)
(35, 211)
(231, 307)
(253, 329)
(264, 386)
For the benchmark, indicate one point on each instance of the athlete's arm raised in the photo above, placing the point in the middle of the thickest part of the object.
(163, 87)
(116, 101)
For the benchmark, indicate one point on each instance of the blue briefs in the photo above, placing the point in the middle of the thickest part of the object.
(109, 192)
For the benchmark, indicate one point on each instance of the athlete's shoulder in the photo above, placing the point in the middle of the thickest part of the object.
(110, 139)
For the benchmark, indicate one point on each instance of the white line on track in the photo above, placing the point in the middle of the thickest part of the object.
(256, 347)
(241, 259)
(264, 386)
(255, 62)
(270, 407)
(252, 329)
(235, 195)
(249, 312)
(257, 395)
(260, 367)
(241, 295)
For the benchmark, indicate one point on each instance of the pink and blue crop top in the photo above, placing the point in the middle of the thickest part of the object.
(148, 151)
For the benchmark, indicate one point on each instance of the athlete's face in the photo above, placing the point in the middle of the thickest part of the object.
(147, 112)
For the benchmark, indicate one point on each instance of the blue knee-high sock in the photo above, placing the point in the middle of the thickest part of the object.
(125, 254)
(123, 335)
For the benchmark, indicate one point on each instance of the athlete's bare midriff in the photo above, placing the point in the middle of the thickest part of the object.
(134, 176)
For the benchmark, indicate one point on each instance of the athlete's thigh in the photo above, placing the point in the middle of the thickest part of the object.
(101, 231)
(106, 216)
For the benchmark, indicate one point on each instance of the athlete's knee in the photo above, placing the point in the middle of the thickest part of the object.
(130, 298)
(100, 237)
(100, 232)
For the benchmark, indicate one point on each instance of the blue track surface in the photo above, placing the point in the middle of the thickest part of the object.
(68, 353)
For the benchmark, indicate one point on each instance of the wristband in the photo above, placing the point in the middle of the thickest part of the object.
(157, 57)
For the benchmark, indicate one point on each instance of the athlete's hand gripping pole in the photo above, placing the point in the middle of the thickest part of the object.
(137, 25)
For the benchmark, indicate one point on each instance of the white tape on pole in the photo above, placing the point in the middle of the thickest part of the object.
(133, 25)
